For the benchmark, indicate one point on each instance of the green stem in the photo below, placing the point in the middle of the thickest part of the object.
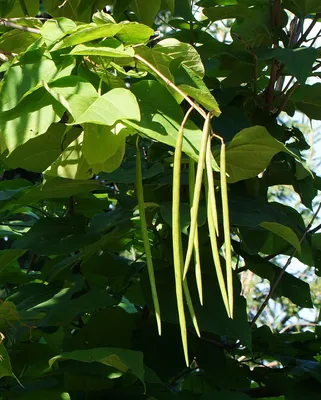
(149, 261)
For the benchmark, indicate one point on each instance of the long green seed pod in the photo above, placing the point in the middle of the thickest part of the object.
(149, 262)
(214, 246)
(187, 293)
(211, 187)
(190, 307)
(197, 261)
(197, 191)
(177, 239)
(226, 226)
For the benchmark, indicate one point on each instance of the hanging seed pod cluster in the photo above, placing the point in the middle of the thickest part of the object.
(204, 175)
(198, 177)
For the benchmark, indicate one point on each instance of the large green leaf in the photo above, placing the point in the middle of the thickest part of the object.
(161, 117)
(182, 53)
(57, 236)
(183, 8)
(146, 10)
(252, 24)
(31, 118)
(101, 142)
(112, 49)
(86, 106)
(181, 64)
(40, 152)
(250, 152)
(289, 286)
(133, 33)
(9, 315)
(113, 162)
(127, 174)
(6, 7)
(9, 189)
(128, 32)
(303, 7)
(75, 93)
(233, 11)
(57, 188)
(71, 164)
(307, 99)
(61, 309)
(284, 232)
(7, 256)
(23, 9)
(117, 329)
(38, 67)
(120, 7)
(53, 30)
(121, 359)
(156, 58)
(87, 33)
(194, 87)
(17, 41)
(115, 105)
(299, 61)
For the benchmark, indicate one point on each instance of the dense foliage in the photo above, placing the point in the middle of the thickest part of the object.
(79, 89)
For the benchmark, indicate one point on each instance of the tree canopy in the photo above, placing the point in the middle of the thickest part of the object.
(149, 155)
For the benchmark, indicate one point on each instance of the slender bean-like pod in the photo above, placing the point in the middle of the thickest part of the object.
(211, 187)
(214, 246)
(149, 261)
(197, 191)
(177, 238)
(226, 227)
(190, 307)
(197, 261)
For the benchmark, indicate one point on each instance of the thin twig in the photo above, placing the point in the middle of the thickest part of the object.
(314, 230)
(303, 324)
(287, 86)
(63, 4)
(276, 283)
(307, 32)
(269, 91)
(9, 24)
(299, 42)
(315, 38)
(317, 66)
(286, 98)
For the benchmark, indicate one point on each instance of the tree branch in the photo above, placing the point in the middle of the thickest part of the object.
(286, 98)
(307, 32)
(7, 23)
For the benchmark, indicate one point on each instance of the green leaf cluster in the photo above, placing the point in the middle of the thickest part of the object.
(78, 87)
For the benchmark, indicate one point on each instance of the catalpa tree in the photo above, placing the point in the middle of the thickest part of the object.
(140, 143)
